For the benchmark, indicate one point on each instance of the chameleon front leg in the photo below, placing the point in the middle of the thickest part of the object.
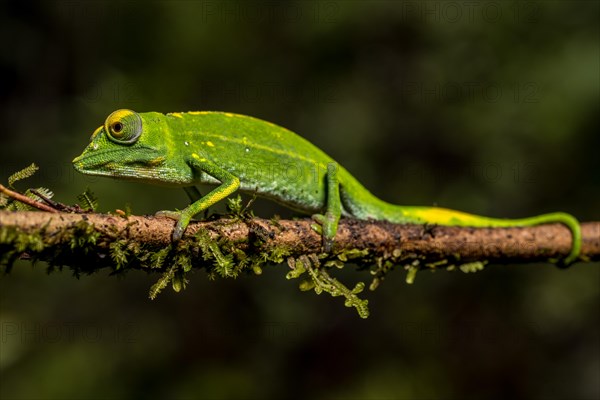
(333, 207)
(195, 195)
(229, 184)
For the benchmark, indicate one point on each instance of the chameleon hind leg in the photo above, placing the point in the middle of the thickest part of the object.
(333, 211)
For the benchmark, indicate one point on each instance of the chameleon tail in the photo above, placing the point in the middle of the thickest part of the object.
(359, 203)
(442, 216)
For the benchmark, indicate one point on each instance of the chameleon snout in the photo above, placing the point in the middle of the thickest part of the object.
(77, 163)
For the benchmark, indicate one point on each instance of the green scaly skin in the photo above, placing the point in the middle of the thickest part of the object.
(237, 152)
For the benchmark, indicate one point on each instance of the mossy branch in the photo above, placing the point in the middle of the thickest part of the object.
(256, 235)
(225, 247)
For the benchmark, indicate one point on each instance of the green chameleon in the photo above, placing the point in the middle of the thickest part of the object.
(239, 152)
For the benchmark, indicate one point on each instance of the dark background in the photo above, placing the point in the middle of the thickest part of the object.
(488, 107)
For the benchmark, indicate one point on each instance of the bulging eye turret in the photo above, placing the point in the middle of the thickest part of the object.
(123, 126)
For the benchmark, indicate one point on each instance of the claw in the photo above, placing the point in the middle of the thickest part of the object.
(178, 232)
(565, 262)
(181, 225)
(327, 244)
(317, 228)
(324, 227)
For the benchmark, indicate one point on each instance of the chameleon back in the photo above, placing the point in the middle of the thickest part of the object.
(268, 159)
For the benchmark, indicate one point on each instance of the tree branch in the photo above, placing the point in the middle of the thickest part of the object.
(225, 247)
(429, 244)
(26, 200)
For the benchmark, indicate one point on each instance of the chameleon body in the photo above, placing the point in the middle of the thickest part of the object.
(237, 152)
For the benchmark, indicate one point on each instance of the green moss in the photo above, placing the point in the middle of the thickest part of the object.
(239, 211)
(72, 243)
(321, 282)
(118, 253)
(37, 194)
(221, 258)
(411, 274)
(473, 266)
(158, 258)
(163, 282)
(88, 200)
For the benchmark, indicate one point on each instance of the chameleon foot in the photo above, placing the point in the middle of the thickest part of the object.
(178, 231)
(327, 228)
(182, 222)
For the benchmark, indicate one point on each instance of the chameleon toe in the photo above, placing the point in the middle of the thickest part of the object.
(177, 233)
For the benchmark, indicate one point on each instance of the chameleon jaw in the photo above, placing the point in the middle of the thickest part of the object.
(119, 164)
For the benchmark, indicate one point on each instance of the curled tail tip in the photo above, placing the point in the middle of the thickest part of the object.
(567, 262)
(573, 224)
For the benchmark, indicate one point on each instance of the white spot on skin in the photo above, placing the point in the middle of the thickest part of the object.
(247, 150)
(186, 143)
(95, 146)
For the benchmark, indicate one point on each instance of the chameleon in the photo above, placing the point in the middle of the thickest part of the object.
(235, 152)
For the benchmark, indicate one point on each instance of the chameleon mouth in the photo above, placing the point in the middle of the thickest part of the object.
(93, 162)
(147, 166)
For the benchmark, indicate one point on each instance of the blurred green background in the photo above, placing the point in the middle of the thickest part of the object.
(490, 107)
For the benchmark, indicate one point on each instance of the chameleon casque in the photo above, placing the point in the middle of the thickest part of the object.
(237, 152)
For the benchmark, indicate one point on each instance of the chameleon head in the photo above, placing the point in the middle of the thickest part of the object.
(123, 148)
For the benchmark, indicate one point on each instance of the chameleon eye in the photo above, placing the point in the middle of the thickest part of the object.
(123, 126)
